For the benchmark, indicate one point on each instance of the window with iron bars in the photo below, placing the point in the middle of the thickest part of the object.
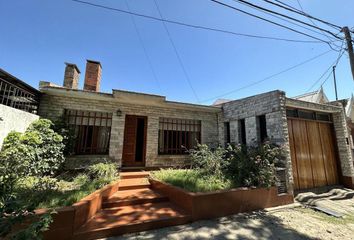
(16, 97)
(92, 131)
(176, 136)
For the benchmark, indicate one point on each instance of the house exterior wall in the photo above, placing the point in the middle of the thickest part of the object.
(270, 104)
(12, 119)
(53, 105)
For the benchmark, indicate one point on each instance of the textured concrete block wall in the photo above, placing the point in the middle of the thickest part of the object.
(249, 108)
(234, 131)
(53, 106)
(272, 105)
(12, 119)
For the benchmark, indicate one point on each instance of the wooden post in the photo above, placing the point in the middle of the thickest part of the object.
(350, 48)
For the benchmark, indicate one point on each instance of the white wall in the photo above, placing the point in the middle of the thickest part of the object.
(12, 119)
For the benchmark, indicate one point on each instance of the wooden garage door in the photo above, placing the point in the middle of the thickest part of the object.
(313, 153)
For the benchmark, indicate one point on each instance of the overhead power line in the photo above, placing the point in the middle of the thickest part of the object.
(328, 69)
(144, 49)
(310, 19)
(322, 75)
(295, 10)
(288, 21)
(267, 78)
(177, 54)
(332, 67)
(285, 4)
(269, 21)
(193, 25)
(286, 16)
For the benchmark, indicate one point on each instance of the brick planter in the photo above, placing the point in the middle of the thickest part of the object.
(222, 203)
(69, 219)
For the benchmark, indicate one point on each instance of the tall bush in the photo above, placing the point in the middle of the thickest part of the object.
(208, 161)
(68, 133)
(36, 152)
(254, 165)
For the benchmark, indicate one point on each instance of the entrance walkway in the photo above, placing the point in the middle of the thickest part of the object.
(135, 207)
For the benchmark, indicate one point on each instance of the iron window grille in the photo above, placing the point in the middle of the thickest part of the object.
(16, 97)
(92, 131)
(176, 136)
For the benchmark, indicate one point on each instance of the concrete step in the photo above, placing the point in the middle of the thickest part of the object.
(128, 219)
(133, 197)
(133, 183)
(127, 175)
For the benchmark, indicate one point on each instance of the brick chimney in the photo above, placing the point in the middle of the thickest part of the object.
(93, 76)
(71, 76)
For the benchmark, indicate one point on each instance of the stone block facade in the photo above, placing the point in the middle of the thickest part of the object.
(55, 100)
(270, 106)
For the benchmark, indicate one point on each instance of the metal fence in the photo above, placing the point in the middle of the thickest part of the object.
(17, 97)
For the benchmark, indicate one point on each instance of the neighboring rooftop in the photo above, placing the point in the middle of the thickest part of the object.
(314, 97)
(221, 101)
(17, 82)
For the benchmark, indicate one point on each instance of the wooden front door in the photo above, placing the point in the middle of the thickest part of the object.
(134, 146)
(313, 153)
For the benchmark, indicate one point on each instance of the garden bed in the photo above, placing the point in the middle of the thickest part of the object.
(223, 202)
(68, 219)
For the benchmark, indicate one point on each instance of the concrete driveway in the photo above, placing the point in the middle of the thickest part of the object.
(296, 221)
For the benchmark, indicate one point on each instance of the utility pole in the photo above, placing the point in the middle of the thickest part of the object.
(349, 40)
(335, 82)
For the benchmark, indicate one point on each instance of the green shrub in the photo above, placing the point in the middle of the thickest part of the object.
(81, 179)
(234, 166)
(106, 171)
(37, 152)
(253, 166)
(68, 133)
(209, 162)
(37, 183)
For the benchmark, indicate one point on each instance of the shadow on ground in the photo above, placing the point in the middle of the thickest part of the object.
(257, 225)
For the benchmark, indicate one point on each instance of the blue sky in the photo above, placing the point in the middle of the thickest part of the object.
(38, 36)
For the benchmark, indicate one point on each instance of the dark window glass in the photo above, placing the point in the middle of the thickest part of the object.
(176, 136)
(306, 114)
(227, 132)
(311, 115)
(262, 124)
(323, 117)
(242, 131)
(291, 113)
(92, 131)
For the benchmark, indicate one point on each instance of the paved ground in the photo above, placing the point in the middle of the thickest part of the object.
(289, 223)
